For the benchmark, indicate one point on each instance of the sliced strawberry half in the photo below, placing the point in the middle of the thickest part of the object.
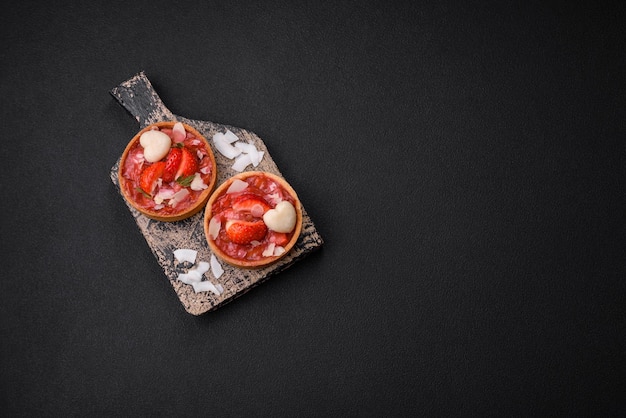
(188, 164)
(244, 232)
(250, 203)
(172, 164)
(150, 175)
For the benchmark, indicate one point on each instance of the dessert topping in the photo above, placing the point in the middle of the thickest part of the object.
(250, 203)
(216, 267)
(185, 254)
(178, 132)
(156, 145)
(194, 275)
(243, 232)
(243, 153)
(237, 186)
(197, 183)
(214, 227)
(282, 218)
(150, 176)
(172, 163)
(188, 164)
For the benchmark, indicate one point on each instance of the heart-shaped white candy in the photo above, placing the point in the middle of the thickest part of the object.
(282, 218)
(156, 145)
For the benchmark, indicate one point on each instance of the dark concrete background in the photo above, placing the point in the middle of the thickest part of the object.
(464, 163)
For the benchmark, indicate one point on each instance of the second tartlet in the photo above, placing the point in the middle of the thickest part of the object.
(253, 219)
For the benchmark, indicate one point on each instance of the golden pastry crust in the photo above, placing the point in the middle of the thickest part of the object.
(140, 200)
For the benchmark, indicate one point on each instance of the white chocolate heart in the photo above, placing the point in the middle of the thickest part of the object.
(282, 218)
(156, 145)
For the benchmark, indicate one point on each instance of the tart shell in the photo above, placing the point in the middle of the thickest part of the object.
(202, 199)
(265, 261)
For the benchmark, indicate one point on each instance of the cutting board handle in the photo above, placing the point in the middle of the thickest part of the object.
(140, 99)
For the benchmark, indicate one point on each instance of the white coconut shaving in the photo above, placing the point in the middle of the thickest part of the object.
(185, 254)
(197, 184)
(230, 137)
(243, 153)
(206, 286)
(214, 227)
(224, 146)
(237, 186)
(178, 131)
(178, 197)
(201, 268)
(241, 162)
(190, 277)
(194, 275)
(216, 267)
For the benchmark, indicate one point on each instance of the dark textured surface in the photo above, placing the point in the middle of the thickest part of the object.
(464, 162)
(138, 97)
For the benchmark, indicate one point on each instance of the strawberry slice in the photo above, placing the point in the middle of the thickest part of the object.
(150, 175)
(172, 163)
(188, 164)
(252, 203)
(243, 232)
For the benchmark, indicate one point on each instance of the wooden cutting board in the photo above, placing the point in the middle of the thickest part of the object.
(139, 98)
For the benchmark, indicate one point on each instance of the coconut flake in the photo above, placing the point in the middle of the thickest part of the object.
(194, 275)
(278, 250)
(255, 155)
(163, 194)
(191, 277)
(185, 254)
(178, 132)
(178, 197)
(214, 227)
(197, 184)
(269, 250)
(256, 158)
(250, 149)
(241, 162)
(216, 267)
(224, 147)
(237, 186)
(201, 268)
(244, 153)
(230, 137)
(246, 147)
(205, 286)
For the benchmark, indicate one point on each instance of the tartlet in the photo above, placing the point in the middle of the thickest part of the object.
(167, 171)
(253, 219)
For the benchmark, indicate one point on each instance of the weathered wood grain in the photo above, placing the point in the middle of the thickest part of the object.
(139, 98)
